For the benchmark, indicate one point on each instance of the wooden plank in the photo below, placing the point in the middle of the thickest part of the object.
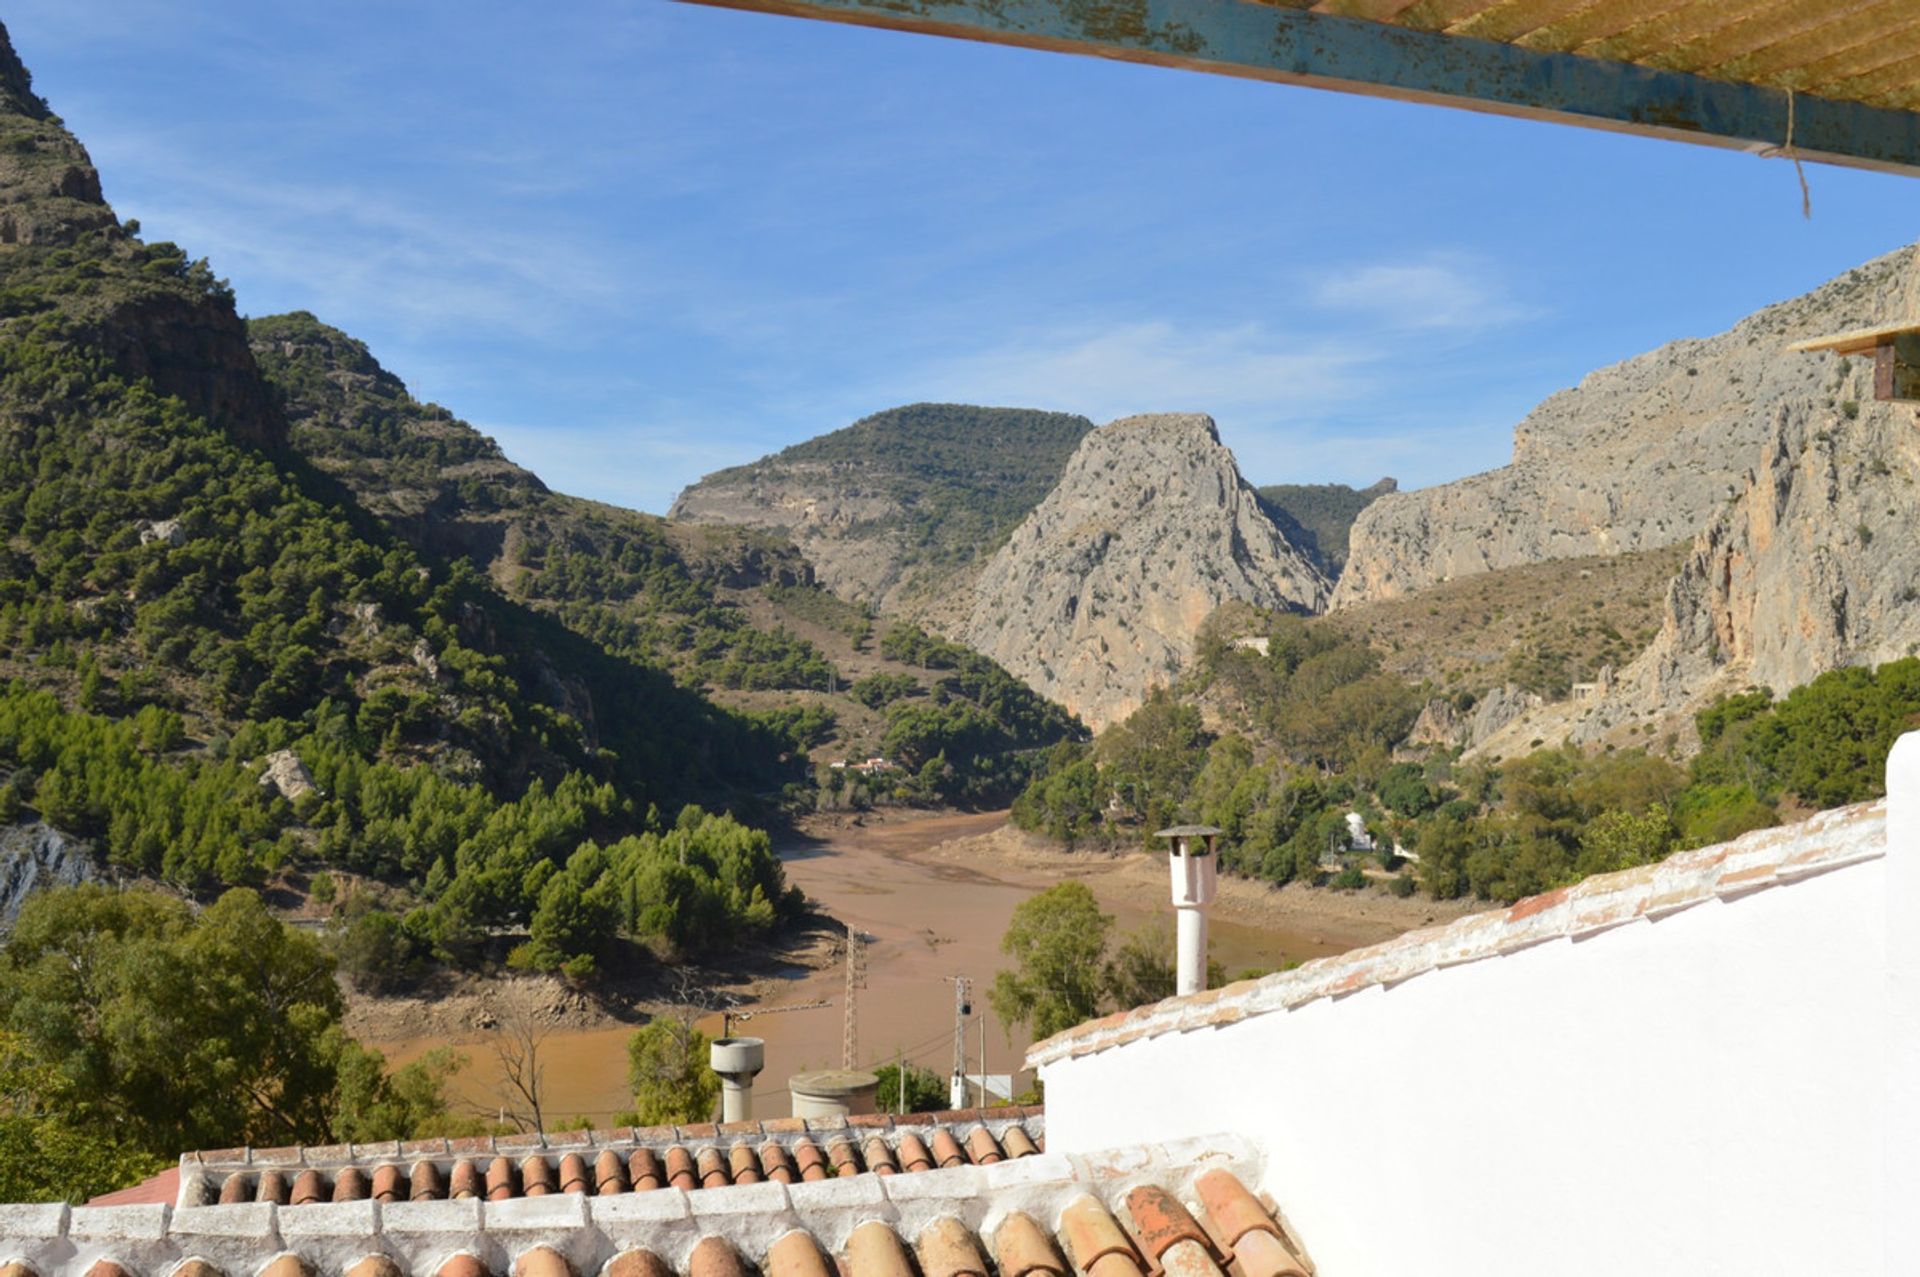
(1373, 10)
(1847, 46)
(1856, 341)
(1441, 15)
(1888, 46)
(1287, 46)
(1516, 18)
(1659, 35)
(1897, 83)
(1598, 22)
(1720, 51)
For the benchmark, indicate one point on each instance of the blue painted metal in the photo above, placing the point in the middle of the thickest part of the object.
(1293, 46)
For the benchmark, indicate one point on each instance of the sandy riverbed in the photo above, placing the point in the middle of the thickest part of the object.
(934, 894)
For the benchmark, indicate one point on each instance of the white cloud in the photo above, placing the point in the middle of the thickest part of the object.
(1439, 291)
(1145, 366)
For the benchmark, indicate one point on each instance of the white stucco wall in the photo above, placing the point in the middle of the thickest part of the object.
(1703, 1093)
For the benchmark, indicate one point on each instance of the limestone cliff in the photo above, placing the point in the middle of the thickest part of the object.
(1812, 566)
(1100, 592)
(1639, 455)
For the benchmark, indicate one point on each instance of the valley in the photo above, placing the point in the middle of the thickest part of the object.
(933, 894)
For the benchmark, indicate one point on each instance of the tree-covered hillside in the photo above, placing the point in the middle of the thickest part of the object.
(1278, 748)
(1318, 516)
(182, 596)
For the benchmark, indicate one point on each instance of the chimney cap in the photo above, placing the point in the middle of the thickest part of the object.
(1189, 831)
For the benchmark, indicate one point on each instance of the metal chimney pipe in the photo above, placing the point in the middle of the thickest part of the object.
(738, 1061)
(1195, 873)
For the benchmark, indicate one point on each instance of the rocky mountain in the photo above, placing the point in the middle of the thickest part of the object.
(1100, 593)
(1808, 565)
(900, 509)
(1639, 455)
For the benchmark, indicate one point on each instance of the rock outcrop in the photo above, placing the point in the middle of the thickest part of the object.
(33, 857)
(1100, 593)
(1639, 455)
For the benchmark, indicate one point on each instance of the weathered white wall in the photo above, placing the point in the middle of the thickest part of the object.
(1704, 1093)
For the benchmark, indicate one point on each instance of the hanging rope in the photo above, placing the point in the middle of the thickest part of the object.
(1799, 171)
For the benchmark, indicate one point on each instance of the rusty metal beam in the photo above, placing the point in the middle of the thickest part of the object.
(1291, 46)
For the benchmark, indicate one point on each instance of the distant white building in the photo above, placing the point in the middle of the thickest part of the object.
(1358, 839)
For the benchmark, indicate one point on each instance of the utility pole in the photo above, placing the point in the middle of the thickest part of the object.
(962, 1008)
(856, 979)
(983, 1061)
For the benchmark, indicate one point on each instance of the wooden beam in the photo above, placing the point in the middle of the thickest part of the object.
(1288, 46)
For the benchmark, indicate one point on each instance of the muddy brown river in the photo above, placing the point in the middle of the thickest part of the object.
(926, 920)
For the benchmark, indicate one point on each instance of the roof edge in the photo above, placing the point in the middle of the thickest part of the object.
(1753, 862)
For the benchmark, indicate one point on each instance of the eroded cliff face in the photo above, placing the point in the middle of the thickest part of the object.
(1639, 455)
(1814, 567)
(1099, 594)
(1811, 567)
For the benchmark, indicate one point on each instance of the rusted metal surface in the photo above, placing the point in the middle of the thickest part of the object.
(1534, 77)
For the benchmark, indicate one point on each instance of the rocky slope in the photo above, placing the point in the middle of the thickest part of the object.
(1810, 567)
(1639, 455)
(1100, 593)
(900, 509)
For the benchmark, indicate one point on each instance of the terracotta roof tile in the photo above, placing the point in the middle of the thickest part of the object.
(1118, 1206)
(744, 1164)
(982, 1147)
(536, 1177)
(287, 1265)
(1017, 1142)
(107, 1268)
(1023, 1248)
(912, 1153)
(809, 1161)
(777, 1163)
(638, 1263)
(875, 1250)
(644, 1171)
(466, 1181)
(573, 1174)
(879, 1157)
(542, 1261)
(795, 1255)
(609, 1173)
(844, 1160)
(425, 1183)
(374, 1266)
(309, 1186)
(235, 1189)
(946, 1149)
(948, 1248)
(712, 1168)
(715, 1257)
(387, 1184)
(192, 1266)
(1757, 861)
(680, 1169)
(350, 1185)
(271, 1187)
(503, 1179)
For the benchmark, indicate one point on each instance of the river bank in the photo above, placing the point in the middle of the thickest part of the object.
(932, 893)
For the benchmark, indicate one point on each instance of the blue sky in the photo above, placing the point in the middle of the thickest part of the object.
(637, 241)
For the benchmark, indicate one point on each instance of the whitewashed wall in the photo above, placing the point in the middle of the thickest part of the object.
(1704, 1093)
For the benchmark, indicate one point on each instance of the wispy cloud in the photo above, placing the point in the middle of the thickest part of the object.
(1145, 366)
(1438, 291)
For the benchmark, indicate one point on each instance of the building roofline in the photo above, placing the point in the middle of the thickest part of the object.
(1753, 862)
